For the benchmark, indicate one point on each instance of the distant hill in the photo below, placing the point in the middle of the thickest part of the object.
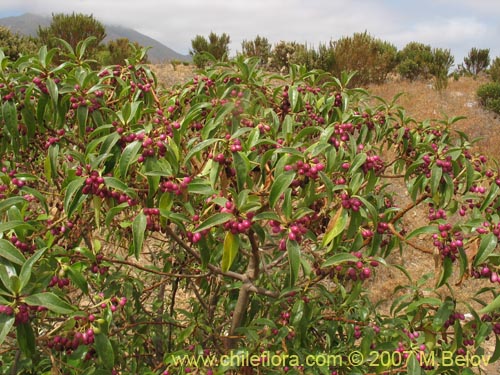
(27, 24)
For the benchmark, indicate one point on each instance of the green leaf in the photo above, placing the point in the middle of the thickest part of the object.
(6, 324)
(25, 274)
(230, 250)
(77, 278)
(82, 113)
(339, 259)
(447, 270)
(414, 365)
(26, 339)
(492, 306)
(214, 220)
(128, 155)
(487, 246)
(138, 229)
(104, 350)
(336, 226)
(11, 253)
(53, 91)
(15, 225)
(293, 251)
(279, 186)
(50, 301)
(423, 230)
(9, 114)
(436, 174)
(9, 202)
(200, 146)
(358, 161)
(69, 196)
(443, 314)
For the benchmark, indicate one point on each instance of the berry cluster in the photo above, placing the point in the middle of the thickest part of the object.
(152, 216)
(60, 282)
(177, 188)
(71, 343)
(97, 267)
(238, 224)
(486, 272)
(24, 247)
(308, 169)
(342, 133)
(436, 214)
(447, 242)
(373, 163)
(350, 202)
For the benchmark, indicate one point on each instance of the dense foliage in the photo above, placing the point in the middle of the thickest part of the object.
(15, 45)
(489, 96)
(477, 60)
(215, 45)
(242, 211)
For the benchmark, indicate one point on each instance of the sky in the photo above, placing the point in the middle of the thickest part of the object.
(457, 25)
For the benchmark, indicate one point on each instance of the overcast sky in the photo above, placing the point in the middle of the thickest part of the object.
(455, 24)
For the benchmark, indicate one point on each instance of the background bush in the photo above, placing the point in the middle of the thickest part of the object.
(489, 96)
(216, 45)
(15, 45)
(372, 58)
(477, 61)
(414, 61)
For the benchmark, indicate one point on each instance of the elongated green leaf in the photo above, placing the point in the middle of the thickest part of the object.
(293, 250)
(104, 350)
(25, 274)
(77, 278)
(50, 301)
(199, 147)
(9, 114)
(214, 220)
(436, 174)
(82, 113)
(339, 259)
(423, 301)
(70, 194)
(138, 229)
(443, 314)
(492, 306)
(423, 230)
(6, 324)
(336, 226)
(447, 269)
(15, 225)
(11, 253)
(26, 339)
(279, 186)
(127, 157)
(230, 250)
(487, 246)
(358, 161)
(53, 90)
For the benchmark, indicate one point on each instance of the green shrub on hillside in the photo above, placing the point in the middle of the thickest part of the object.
(477, 60)
(73, 28)
(259, 47)
(15, 45)
(414, 61)
(372, 58)
(215, 45)
(494, 70)
(489, 96)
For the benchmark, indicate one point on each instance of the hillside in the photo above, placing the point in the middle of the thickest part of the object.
(27, 24)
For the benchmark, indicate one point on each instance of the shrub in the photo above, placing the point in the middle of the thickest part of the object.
(372, 59)
(414, 61)
(73, 29)
(15, 45)
(494, 70)
(259, 47)
(442, 61)
(477, 60)
(216, 45)
(117, 51)
(489, 96)
(147, 231)
(282, 54)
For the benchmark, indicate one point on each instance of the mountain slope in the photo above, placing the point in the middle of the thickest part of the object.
(27, 24)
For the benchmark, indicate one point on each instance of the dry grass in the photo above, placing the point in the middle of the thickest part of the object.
(421, 101)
